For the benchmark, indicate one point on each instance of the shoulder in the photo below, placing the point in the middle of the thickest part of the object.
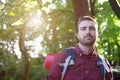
(60, 56)
(104, 59)
(105, 63)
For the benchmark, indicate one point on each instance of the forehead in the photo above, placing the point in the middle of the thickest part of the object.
(86, 23)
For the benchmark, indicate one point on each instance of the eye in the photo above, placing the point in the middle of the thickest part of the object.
(92, 28)
(83, 28)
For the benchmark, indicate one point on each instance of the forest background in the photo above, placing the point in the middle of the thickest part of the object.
(30, 29)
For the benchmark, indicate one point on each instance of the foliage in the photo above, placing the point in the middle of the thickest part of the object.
(60, 23)
(7, 65)
(108, 32)
(37, 71)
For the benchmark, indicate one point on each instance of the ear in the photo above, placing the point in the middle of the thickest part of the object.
(77, 35)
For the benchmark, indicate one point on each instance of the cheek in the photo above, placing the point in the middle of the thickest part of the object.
(80, 36)
(93, 33)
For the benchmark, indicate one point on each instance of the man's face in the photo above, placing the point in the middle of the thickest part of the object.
(87, 32)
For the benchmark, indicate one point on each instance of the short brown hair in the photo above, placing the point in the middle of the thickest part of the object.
(89, 18)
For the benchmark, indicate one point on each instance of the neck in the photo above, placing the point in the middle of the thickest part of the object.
(87, 49)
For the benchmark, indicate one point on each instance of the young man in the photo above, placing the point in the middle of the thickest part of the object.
(86, 65)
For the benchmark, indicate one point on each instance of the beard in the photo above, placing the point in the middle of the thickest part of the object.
(87, 40)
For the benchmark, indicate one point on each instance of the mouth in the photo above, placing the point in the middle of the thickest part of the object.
(88, 37)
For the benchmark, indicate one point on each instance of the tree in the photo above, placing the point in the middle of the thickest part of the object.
(17, 23)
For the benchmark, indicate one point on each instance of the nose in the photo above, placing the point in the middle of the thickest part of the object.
(87, 31)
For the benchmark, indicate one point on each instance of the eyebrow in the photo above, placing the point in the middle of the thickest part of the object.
(83, 27)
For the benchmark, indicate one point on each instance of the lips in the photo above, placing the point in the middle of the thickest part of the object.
(88, 37)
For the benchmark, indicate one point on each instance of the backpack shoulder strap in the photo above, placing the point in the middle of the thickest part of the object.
(68, 61)
(71, 52)
(101, 66)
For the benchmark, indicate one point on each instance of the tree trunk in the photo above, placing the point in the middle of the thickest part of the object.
(92, 6)
(24, 54)
(115, 7)
(81, 8)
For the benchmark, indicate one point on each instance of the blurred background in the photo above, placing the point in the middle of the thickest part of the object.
(30, 29)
